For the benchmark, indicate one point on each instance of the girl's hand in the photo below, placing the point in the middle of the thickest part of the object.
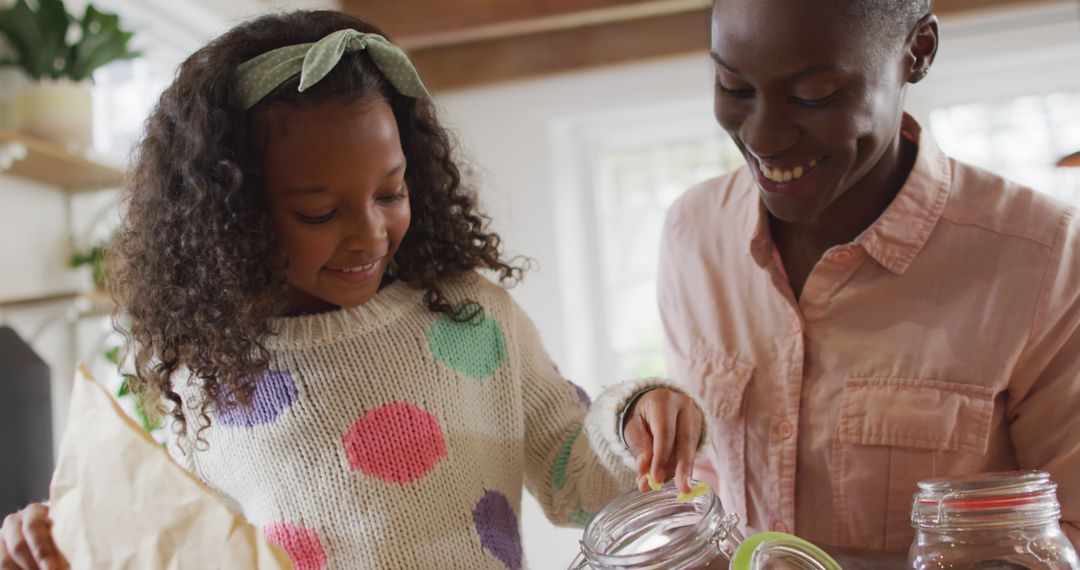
(26, 541)
(662, 429)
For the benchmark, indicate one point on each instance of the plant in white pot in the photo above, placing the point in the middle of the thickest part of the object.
(58, 53)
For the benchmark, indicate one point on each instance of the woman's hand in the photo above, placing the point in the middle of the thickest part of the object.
(662, 429)
(26, 541)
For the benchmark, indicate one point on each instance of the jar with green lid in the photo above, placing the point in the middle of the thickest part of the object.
(1001, 521)
(654, 530)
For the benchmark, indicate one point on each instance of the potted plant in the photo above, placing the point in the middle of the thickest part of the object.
(58, 53)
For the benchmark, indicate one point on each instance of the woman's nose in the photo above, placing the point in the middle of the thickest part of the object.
(768, 131)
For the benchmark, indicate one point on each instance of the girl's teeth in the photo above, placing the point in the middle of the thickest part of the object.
(798, 172)
(360, 269)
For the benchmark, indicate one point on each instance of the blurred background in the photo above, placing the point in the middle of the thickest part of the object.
(582, 120)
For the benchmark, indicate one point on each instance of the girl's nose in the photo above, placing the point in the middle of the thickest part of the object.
(366, 233)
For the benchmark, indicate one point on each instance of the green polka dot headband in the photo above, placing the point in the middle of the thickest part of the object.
(258, 76)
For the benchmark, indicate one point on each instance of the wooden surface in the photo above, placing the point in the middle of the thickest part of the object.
(49, 164)
(468, 43)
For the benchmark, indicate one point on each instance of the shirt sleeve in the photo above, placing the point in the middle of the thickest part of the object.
(1044, 398)
(575, 460)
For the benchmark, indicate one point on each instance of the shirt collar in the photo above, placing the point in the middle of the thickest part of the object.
(897, 237)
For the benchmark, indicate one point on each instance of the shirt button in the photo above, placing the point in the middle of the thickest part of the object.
(785, 429)
(842, 255)
(779, 526)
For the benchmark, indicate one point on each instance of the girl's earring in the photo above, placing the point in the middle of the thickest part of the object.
(920, 74)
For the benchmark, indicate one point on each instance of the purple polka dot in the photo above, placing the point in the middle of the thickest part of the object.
(274, 392)
(497, 526)
(582, 395)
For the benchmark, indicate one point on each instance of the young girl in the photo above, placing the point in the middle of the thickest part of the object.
(297, 272)
(859, 311)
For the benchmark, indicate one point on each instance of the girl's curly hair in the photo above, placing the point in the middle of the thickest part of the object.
(196, 268)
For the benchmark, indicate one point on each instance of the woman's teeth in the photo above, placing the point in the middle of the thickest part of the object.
(781, 176)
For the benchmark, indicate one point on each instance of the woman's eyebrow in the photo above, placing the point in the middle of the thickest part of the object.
(811, 70)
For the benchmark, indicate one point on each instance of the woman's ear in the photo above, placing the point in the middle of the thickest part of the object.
(922, 47)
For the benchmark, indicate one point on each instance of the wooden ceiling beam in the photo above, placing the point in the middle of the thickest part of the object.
(425, 23)
(468, 43)
(945, 8)
(519, 57)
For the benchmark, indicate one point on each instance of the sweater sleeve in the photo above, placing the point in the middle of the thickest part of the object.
(575, 459)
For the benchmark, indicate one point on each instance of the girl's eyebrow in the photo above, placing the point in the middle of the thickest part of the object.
(311, 190)
(811, 70)
(397, 168)
(317, 189)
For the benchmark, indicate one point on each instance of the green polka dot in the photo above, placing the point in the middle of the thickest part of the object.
(475, 348)
(580, 517)
(562, 460)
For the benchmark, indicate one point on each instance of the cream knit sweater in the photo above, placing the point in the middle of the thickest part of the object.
(388, 436)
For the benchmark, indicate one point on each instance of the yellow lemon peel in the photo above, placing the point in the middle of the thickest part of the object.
(695, 492)
(654, 484)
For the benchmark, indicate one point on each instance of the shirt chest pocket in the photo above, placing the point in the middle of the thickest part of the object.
(894, 432)
(921, 414)
(720, 382)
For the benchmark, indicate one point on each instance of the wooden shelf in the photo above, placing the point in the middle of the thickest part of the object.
(50, 164)
(83, 304)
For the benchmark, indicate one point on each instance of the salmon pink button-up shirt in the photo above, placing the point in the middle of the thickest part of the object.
(944, 340)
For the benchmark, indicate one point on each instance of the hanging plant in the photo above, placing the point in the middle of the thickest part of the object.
(147, 419)
(95, 258)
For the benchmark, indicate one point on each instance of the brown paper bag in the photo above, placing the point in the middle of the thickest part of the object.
(118, 500)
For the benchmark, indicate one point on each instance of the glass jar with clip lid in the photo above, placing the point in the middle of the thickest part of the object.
(1002, 521)
(654, 530)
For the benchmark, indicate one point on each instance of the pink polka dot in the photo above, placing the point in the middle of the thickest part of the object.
(399, 443)
(301, 544)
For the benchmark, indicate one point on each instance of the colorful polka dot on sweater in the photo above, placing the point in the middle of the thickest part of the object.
(582, 395)
(497, 526)
(274, 392)
(562, 461)
(398, 443)
(580, 516)
(475, 348)
(301, 544)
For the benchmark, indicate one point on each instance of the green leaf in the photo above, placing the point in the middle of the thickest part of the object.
(124, 390)
(113, 356)
(33, 46)
(102, 42)
(54, 21)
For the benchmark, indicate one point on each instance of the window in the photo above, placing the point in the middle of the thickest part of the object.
(1020, 139)
(636, 171)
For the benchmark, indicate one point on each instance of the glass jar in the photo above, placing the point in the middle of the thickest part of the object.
(989, 520)
(652, 531)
